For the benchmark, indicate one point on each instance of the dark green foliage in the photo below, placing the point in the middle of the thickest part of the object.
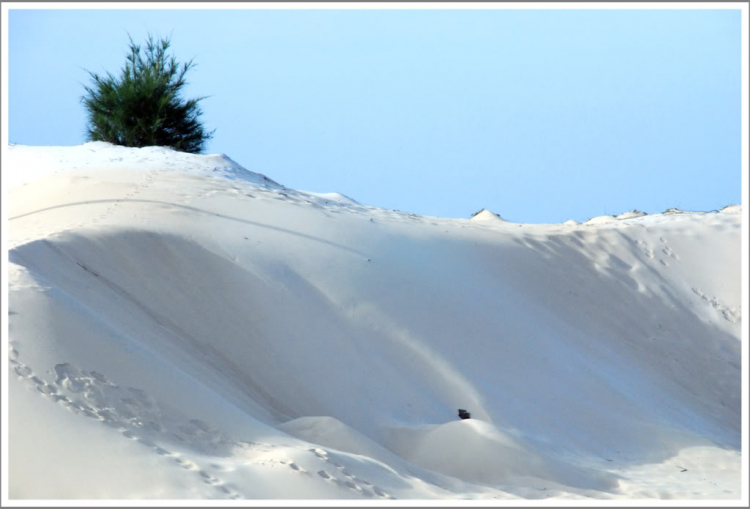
(143, 106)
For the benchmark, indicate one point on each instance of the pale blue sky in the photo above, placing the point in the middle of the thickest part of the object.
(538, 115)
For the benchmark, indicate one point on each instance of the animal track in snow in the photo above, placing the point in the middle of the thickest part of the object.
(296, 467)
(186, 464)
(132, 412)
(12, 352)
(730, 314)
(138, 417)
(23, 371)
(665, 250)
(208, 478)
(668, 251)
(320, 453)
(26, 375)
(351, 481)
(163, 452)
(380, 492)
(645, 247)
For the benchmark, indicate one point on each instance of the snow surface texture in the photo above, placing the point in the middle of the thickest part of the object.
(181, 327)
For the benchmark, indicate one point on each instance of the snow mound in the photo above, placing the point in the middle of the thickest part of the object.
(571, 222)
(334, 197)
(732, 209)
(332, 433)
(487, 215)
(224, 166)
(631, 214)
(476, 451)
(601, 220)
(673, 211)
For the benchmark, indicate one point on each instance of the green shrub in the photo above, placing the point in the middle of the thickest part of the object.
(143, 106)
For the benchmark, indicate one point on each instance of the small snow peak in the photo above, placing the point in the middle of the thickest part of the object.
(631, 214)
(487, 215)
(673, 211)
(601, 220)
(731, 209)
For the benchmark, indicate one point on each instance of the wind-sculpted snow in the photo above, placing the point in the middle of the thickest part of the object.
(270, 343)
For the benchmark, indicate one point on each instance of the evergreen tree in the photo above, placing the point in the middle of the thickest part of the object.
(143, 106)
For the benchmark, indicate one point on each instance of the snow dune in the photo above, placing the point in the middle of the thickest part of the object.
(181, 327)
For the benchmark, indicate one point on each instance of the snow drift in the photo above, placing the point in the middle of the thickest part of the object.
(205, 332)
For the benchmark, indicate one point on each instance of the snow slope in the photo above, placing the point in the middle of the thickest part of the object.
(180, 327)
